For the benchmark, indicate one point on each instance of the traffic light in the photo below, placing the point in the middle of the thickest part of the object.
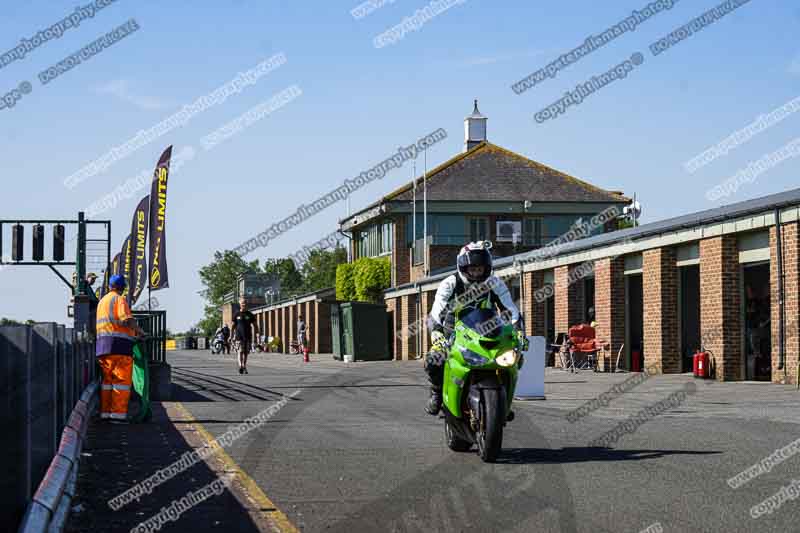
(17, 240)
(38, 242)
(58, 242)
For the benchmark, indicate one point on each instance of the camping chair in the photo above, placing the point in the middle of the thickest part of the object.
(582, 342)
(619, 355)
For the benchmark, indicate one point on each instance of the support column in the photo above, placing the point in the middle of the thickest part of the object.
(311, 330)
(392, 307)
(791, 298)
(408, 315)
(422, 329)
(324, 334)
(662, 349)
(569, 299)
(535, 298)
(401, 255)
(292, 325)
(272, 329)
(720, 321)
(285, 328)
(609, 308)
(271, 322)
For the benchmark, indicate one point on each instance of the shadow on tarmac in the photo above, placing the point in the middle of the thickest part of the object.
(584, 454)
(118, 456)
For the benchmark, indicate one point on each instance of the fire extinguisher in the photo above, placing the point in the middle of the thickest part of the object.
(701, 364)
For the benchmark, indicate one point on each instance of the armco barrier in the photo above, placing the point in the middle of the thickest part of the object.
(44, 368)
(49, 508)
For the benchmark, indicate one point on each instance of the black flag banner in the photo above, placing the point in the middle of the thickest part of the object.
(125, 264)
(106, 277)
(138, 275)
(115, 265)
(159, 279)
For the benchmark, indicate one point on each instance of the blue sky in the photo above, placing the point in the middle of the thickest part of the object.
(359, 103)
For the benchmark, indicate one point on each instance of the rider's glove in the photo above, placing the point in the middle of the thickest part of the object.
(437, 337)
(523, 340)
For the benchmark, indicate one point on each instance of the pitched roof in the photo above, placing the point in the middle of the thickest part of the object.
(491, 173)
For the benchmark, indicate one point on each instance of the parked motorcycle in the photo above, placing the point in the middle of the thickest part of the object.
(480, 376)
(218, 344)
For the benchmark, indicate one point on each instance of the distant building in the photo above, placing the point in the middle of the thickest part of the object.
(486, 192)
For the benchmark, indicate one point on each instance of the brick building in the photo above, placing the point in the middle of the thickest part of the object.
(280, 319)
(486, 192)
(713, 279)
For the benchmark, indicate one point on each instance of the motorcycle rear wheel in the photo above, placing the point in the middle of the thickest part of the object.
(490, 433)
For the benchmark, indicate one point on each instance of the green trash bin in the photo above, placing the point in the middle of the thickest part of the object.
(360, 329)
(336, 332)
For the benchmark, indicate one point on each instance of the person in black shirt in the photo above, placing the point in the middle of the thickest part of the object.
(244, 322)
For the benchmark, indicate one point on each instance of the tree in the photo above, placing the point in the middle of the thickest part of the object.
(291, 280)
(319, 271)
(219, 278)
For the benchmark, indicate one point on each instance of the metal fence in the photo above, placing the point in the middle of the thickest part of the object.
(45, 368)
(154, 324)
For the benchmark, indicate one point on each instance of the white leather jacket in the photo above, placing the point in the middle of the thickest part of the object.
(454, 295)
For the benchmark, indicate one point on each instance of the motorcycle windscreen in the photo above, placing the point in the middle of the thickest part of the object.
(487, 322)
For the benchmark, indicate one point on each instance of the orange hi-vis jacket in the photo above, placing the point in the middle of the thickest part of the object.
(113, 337)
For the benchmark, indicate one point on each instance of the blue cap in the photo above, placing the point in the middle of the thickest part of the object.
(117, 281)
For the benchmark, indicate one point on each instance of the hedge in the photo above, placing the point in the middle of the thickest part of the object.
(363, 280)
(345, 284)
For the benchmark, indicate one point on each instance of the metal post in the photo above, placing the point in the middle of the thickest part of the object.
(80, 257)
(414, 216)
(425, 215)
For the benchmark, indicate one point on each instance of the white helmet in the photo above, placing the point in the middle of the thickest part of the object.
(475, 254)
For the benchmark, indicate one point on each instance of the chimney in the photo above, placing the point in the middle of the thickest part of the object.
(474, 129)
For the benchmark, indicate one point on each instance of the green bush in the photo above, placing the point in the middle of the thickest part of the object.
(372, 276)
(345, 283)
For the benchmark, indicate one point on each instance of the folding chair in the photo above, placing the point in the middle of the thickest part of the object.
(616, 365)
(561, 348)
(582, 341)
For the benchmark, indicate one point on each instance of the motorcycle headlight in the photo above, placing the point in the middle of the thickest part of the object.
(507, 358)
(471, 358)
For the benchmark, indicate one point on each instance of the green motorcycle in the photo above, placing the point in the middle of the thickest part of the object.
(480, 376)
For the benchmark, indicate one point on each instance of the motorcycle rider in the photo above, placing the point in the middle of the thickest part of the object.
(226, 337)
(473, 286)
(219, 337)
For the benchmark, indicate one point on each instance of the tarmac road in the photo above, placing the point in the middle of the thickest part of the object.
(353, 450)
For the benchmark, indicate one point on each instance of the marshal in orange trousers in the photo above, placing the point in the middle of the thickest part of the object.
(116, 388)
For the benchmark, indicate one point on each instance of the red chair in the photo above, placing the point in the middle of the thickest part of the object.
(583, 342)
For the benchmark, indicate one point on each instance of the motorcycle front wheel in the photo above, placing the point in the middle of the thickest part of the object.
(453, 441)
(490, 432)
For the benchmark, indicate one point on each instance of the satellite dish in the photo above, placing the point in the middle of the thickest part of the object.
(634, 210)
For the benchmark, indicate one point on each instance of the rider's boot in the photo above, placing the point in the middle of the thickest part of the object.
(435, 401)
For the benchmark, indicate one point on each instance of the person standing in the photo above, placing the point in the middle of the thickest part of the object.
(301, 333)
(244, 322)
(117, 331)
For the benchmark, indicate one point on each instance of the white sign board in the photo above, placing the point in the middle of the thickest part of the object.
(530, 383)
